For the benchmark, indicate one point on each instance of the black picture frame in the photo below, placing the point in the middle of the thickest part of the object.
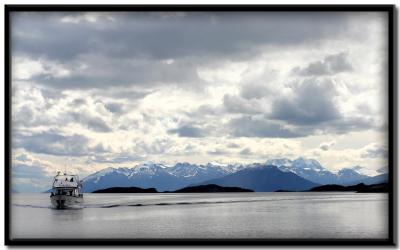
(392, 126)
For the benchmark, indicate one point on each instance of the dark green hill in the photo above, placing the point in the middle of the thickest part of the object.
(359, 188)
(126, 190)
(211, 188)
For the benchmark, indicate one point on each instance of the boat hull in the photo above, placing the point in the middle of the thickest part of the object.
(64, 201)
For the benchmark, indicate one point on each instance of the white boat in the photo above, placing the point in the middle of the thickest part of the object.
(66, 191)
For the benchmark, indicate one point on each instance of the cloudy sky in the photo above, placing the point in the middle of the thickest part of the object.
(93, 90)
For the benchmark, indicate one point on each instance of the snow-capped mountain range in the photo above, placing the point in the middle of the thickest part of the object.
(312, 170)
(168, 178)
(161, 177)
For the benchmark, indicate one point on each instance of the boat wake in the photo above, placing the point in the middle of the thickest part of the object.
(81, 206)
(116, 204)
(178, 203)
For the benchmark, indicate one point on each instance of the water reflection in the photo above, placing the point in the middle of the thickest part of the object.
(70, 214)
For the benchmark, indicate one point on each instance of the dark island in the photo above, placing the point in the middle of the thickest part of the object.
(359, 188)
(211, 188)
(126, 190)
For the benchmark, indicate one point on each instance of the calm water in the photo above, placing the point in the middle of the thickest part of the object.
(220, 215)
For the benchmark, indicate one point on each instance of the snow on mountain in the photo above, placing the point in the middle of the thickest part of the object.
(104, 172)
(263, 178)
(346, 175)
(312, 170)
(186, 170)
(180, 175)
(143, 176)
(147, 169)
(159, 176)
(282, 162)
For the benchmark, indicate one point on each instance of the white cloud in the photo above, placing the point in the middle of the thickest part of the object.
(211, 94)
(26, 68)
(91, 17)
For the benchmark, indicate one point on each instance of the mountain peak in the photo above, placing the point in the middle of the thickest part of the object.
(263, 178)
(215, 163)
(311, 163)
(349, 170)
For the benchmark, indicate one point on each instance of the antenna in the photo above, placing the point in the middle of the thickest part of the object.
(65, 167)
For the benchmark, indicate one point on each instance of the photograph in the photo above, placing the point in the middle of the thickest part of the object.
(199, 124)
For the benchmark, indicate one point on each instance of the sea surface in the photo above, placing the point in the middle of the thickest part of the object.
(212, 215)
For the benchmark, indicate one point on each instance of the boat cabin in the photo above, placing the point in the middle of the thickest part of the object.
(65, 184)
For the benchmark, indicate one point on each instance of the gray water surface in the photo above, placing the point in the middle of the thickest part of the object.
(215, 215)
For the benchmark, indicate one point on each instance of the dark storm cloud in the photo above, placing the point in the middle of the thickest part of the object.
(217, 151)
(307, 107)
(247, 126)
(324, 147)
(149, 35)
(114, 107)
(28, 179)
(330, 65)
(188, 131)
(235, 104)
(158, 146)
(375, 152)
(113, 159)
(233, 145)
(91, 122)
(254, 126)
(246, 151)
(312, 103)
(327, 145)
(52, 94)
(382, 170)
(98, 125)
(79, 102)
(25, 116)
(52, 143)
(105, 73)
(26, 171)
(137, 48)
(125, 94)
(254, 91)
(344, 125)
(22, 157)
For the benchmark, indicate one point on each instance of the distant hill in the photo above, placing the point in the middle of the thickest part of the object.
(211, 188)
(126, 190)
(193, 189)
(264, 178)
(382, 178)
(359, 188)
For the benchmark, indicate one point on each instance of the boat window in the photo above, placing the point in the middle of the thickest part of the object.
(72, 179)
